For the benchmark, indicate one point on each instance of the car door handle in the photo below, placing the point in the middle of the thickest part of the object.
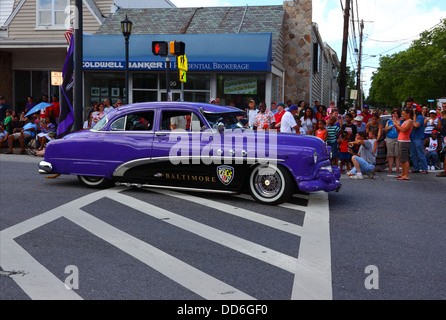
(161, 134)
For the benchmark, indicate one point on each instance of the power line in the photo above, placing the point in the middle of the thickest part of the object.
(406, 39)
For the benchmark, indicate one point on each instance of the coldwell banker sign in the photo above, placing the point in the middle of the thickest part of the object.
(154, 65)
(216, 52)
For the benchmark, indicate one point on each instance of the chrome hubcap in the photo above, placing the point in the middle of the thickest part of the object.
(268, 185)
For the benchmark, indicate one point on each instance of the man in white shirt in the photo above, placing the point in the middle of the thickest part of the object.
(252, 112)
(107, 106)
(288, 123)
(178, 122)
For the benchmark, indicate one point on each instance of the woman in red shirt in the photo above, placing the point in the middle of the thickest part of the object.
(404, 131)
(54, 110)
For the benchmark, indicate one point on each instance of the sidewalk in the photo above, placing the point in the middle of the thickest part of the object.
(389, 176)
(15, 151)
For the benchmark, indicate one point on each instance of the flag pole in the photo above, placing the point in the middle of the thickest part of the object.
(78, 59)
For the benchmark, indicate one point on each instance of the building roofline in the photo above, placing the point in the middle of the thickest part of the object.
(93, 8)
(13, 13)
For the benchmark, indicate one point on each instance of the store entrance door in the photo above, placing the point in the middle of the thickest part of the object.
(176, 95)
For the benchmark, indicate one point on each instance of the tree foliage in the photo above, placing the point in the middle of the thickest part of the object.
(350, 78)
(419, 71)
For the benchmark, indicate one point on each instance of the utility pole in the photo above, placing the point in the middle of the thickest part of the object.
(358, 74)
(343, 73)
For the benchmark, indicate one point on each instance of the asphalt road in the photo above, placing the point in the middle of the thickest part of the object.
(384, 240)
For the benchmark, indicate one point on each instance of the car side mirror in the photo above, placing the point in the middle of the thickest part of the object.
(221, 127)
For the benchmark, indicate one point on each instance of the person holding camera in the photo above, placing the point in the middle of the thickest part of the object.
(405, 142)
(364, 160)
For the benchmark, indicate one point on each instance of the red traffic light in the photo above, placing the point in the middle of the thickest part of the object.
(160, 48)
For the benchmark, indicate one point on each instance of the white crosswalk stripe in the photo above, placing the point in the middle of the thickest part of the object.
(312, 268)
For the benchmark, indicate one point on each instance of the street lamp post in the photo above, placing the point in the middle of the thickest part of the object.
(126, 27)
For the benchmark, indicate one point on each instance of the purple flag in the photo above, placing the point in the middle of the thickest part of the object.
(66, 118)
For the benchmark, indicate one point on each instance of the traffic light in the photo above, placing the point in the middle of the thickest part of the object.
(159, 48)
(177, 48)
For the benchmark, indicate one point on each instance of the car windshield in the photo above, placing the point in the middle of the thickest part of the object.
(100, 124)
(229, 119)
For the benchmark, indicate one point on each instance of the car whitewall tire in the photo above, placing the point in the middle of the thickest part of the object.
(94, 182)
(270, 184)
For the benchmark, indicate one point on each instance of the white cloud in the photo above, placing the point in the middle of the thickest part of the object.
(394, 23)
(329, 19)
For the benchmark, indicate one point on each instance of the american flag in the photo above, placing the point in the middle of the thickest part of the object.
(68, 34)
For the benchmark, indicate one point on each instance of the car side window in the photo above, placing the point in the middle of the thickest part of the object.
(119, 124)
(196, 124)
(186, 120)
(140, 121)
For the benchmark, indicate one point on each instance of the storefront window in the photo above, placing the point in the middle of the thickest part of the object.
(101, 85)
(197, 81)
(22, 80)
(32, 83)
(196, 88)
(145, 81)
(174, 81)
(145, 87)
(40, 83)
(197, 96)
(240, 88)
(145, 95)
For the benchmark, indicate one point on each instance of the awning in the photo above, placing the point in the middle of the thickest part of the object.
(204, 52)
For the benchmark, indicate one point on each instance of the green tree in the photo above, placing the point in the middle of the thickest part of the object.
(419, 71)
(351, 84)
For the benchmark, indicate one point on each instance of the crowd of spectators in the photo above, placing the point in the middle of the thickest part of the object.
(31, 131)
(98, 110)
(361, 141)
(415, 135)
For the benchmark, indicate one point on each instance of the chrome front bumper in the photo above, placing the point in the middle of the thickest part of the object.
(45, 167)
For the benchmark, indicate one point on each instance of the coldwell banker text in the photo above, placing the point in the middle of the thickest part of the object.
(158, 65)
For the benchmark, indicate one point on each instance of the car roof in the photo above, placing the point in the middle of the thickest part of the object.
(207, 107)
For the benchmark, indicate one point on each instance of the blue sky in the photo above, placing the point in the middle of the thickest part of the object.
(390, 26)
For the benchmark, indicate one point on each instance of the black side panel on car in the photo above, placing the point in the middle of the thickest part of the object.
(204, 176)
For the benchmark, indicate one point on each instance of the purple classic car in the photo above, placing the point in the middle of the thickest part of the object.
(193, 146)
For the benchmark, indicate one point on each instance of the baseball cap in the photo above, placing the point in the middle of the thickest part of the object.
(252, 100)
(432, 111)
(211, 100)
(359, 118)
(292, 107)
(365, 107)
(281, 104)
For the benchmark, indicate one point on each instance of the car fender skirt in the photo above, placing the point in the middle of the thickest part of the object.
(89, 169)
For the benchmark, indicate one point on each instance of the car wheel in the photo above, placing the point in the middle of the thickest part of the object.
(269, 184)
(95, 182)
